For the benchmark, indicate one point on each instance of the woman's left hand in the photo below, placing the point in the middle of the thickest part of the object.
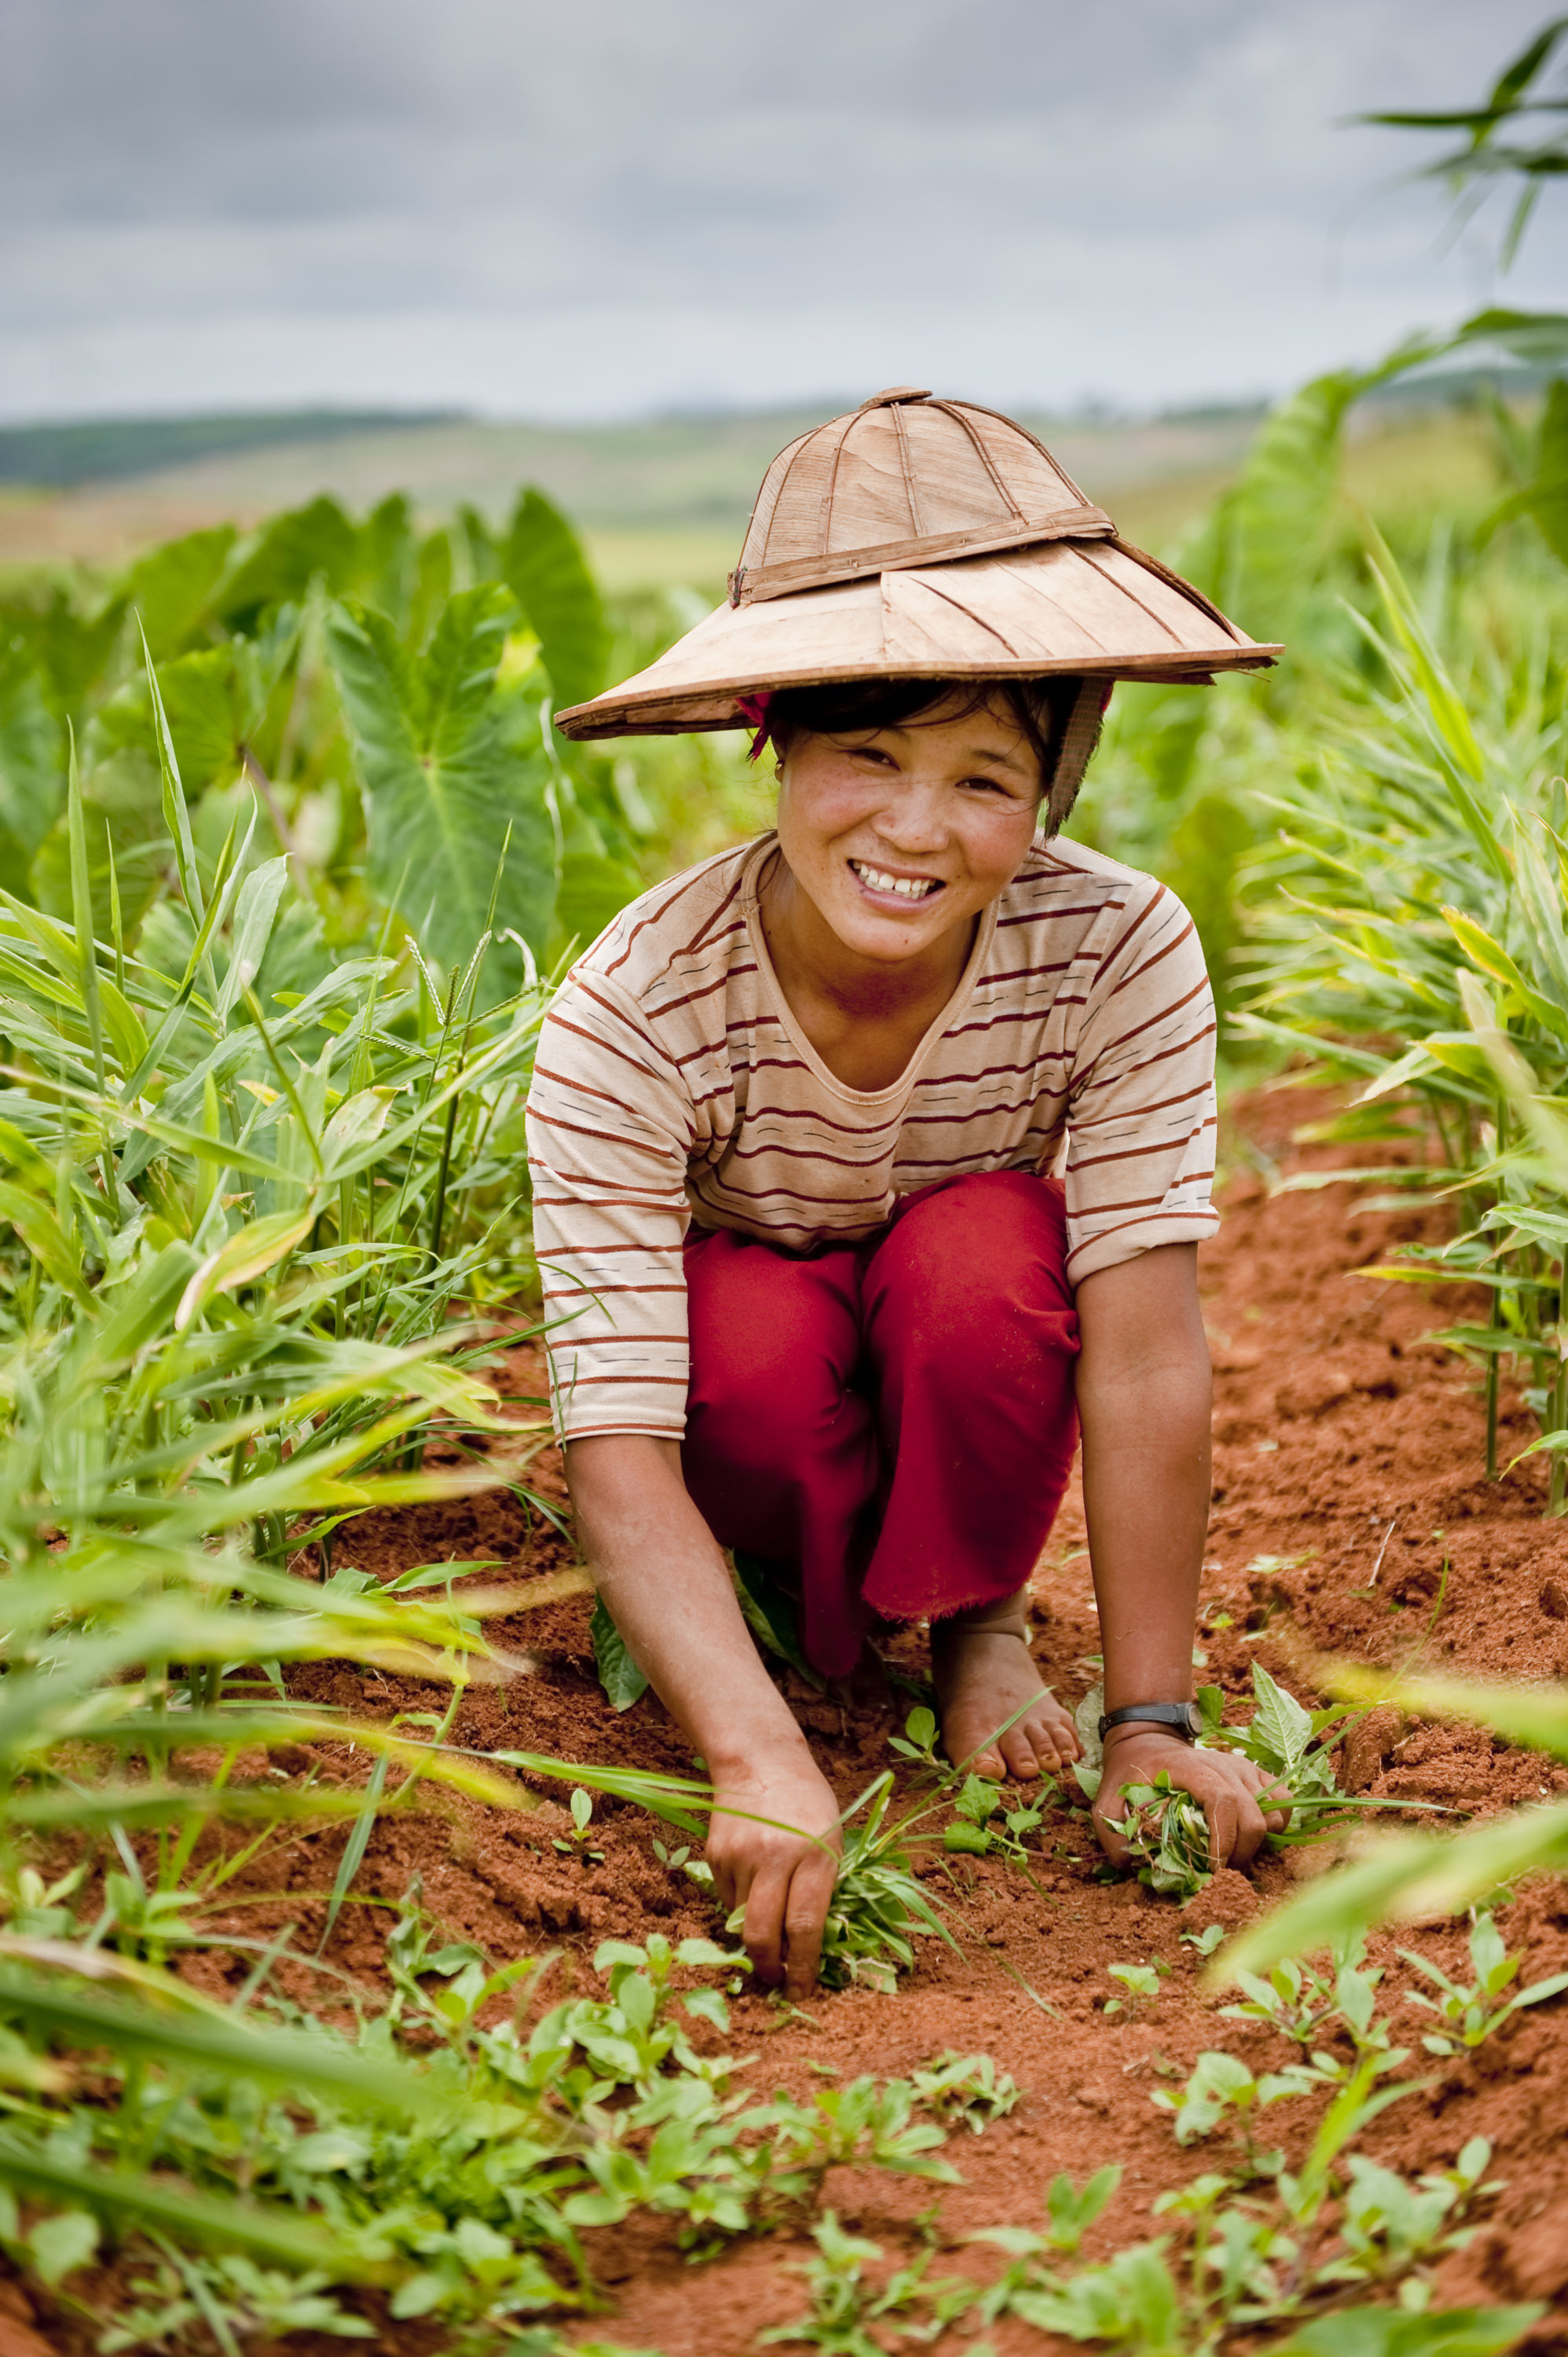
(1241, 1801)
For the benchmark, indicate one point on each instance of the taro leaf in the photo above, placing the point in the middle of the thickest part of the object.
(450, 757)
(549, 577)
(484, 550)
(32, 771)
(622, 1681)
(1281, 1731)
(594, 890)
(123, 806)
(289, 553)
(389, 560)
(171, 588)
(1396, 2332)
(771, 1613)
(215, 701)
(71, 651)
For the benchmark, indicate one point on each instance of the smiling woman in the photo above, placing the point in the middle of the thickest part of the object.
(872, 1157)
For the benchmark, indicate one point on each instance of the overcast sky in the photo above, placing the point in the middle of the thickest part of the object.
(600, 208)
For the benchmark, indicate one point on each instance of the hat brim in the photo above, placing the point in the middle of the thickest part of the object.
(1098, 607)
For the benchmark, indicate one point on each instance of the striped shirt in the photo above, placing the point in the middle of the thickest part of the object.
(673, 1083)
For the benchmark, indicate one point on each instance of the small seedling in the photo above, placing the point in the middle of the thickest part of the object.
(967, 2088)
(919, 1740)
(1222, 2090)
(1205, 1940)
(582, 1818)
(1141, 1983)
(975, 1832)
(1474, 2013)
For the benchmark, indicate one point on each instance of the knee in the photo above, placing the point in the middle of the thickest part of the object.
(991, 1242)
(767, 1373)
(759, 1412)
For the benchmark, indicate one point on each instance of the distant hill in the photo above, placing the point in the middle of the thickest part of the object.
(110, 449)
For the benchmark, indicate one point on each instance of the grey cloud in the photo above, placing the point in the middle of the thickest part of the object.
(1120, 195)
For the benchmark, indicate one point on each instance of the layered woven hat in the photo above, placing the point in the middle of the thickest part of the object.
(923, 539)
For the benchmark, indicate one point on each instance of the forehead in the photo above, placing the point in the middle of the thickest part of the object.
(987, 731)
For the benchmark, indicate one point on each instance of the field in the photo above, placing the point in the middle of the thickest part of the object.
(358, 1978)
(1349, 1516)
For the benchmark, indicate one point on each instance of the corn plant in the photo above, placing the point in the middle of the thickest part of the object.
(1416, 877)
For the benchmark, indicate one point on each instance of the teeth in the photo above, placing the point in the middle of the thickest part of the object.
(908, 888)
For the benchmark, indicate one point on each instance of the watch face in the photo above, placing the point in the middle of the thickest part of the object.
(1194, 1719)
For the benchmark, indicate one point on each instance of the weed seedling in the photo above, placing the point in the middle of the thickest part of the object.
(919, 1741)
(965, 2087)
(844, 2307)
(1473, 2014)
(1141, 1983)
(582, 1818)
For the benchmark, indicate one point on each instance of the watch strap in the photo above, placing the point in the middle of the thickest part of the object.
(1182, 1719)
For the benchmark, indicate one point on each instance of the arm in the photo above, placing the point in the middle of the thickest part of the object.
(1144, 1390)
(662, 1577)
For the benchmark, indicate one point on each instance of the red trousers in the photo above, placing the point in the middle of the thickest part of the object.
(893, 1420)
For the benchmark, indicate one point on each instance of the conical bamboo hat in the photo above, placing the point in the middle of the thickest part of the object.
(912, 539)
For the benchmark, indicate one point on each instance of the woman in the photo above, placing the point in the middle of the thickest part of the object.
(866, 1153)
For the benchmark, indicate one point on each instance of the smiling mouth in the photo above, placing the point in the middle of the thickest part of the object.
(905, 888)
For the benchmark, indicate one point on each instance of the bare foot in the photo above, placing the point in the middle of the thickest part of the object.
(984, 1678)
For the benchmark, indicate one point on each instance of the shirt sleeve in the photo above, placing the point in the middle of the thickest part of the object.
(610, 1132)
(1141, 1110)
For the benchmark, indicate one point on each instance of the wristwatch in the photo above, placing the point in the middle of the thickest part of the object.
(1181, 1719)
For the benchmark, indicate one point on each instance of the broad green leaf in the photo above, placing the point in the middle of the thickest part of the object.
(32, 770)
(121, 817)
(548, 574)
(622, 1681)
(450, 758)
(215, 700)
(171, 587)
(594, 890)
(280, 563)
(388, 563)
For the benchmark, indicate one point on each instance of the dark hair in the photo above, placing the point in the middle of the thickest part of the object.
(1041, 708)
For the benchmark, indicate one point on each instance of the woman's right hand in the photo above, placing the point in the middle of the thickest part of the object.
(782, 1871)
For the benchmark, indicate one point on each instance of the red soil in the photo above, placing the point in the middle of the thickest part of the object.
(1349, 1450)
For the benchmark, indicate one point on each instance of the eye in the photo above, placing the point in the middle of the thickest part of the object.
(992, 786)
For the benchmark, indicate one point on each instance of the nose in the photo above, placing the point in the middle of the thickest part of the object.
(915, 823)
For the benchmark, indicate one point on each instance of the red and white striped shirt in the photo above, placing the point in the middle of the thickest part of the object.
(673, 1083)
